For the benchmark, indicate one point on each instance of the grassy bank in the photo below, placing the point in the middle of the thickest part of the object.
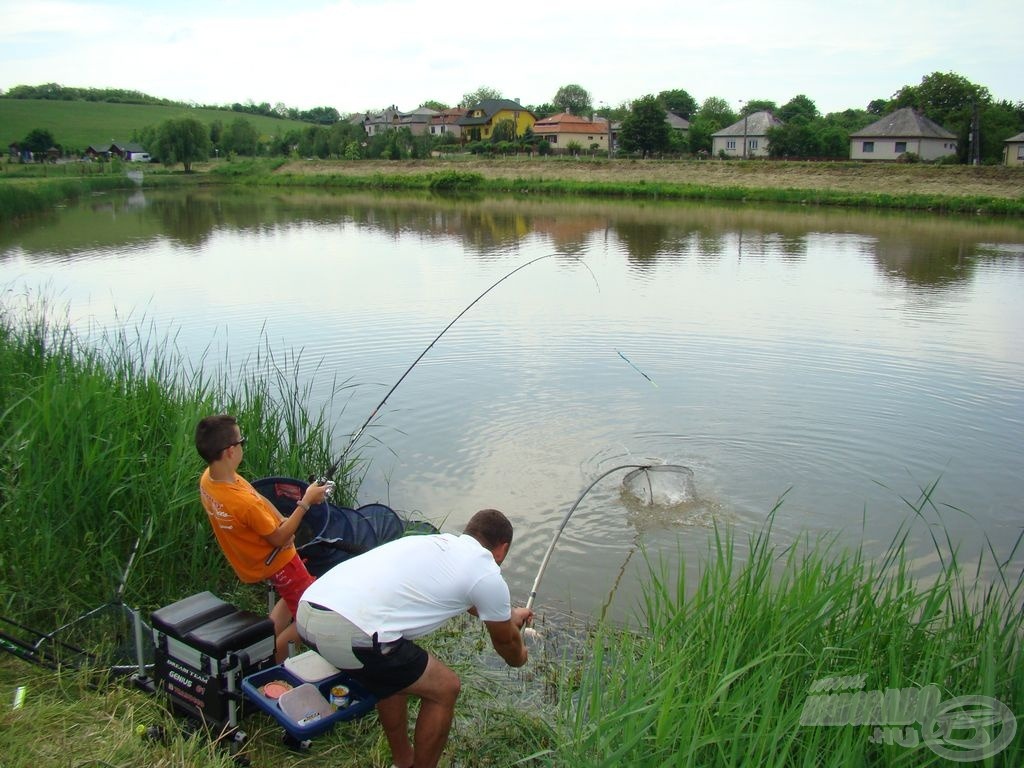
(943, 189)
(781, 661)
(997, 191)
(96, 453)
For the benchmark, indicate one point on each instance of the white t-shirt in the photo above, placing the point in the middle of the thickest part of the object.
(411, 586)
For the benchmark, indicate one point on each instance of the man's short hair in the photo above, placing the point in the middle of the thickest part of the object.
(213, 434)
(490, 527)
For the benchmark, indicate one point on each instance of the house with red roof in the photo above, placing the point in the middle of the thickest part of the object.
(564, 129)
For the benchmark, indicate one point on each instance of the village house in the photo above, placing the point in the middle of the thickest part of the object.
(446, 123)
(747, 137)
(418, 121)
(904, 131)
(481, 119)
(1013, 153)
(564, 129)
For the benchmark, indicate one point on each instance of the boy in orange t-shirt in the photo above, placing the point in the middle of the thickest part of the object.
(257, 540)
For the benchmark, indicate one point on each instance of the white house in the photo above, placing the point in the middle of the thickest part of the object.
(905, 130)
(747, 137)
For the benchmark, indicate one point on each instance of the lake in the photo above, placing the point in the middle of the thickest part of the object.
(840, 361)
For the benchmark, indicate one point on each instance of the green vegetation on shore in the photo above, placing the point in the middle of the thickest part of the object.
(96, 452)
(27, 190)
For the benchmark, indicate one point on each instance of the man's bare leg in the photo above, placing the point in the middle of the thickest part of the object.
(438, 689)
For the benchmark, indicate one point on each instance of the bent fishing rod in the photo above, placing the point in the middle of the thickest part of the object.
(328, 476)
(565, 520)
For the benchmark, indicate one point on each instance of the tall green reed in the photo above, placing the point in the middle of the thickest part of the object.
(724, 669)
(97, 453)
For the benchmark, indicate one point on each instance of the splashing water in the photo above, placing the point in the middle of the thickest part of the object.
(667, 485)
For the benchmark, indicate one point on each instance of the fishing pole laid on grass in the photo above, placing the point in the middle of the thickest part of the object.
(328, 476)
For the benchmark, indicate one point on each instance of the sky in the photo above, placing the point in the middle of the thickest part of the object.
(365, 55)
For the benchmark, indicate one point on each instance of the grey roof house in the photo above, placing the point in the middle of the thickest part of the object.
(747, 137)
(1013, 154)
(905, 130)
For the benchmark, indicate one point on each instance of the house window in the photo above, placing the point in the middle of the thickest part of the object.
(752, 144)
(869, 146)
(1020, 152)
(730, 144)
(901, 147)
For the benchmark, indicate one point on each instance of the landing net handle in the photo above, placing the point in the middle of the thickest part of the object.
(565, 520)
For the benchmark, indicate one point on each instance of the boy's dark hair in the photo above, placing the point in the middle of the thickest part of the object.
(213, 434)
(490, 527)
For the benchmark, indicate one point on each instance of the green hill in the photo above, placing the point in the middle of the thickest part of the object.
(77, 124)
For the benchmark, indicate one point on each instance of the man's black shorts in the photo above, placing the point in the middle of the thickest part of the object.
(391, 669)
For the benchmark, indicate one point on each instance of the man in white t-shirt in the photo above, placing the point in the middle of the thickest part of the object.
(364, 615)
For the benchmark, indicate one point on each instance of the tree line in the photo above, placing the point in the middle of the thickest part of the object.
(980, 123)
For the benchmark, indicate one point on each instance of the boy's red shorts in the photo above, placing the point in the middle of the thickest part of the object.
(291, 581)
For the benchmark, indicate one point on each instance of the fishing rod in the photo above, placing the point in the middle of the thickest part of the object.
(329, 475)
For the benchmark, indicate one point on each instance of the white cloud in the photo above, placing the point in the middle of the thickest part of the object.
(356, 55)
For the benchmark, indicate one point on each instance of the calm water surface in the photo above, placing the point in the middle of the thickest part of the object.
(839, 361)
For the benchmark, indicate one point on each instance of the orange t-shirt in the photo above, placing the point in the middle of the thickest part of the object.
(240, 518)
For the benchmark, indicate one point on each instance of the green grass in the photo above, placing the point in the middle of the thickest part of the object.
(722, 678)
(79, 124)
(261, 173)
(97, 452)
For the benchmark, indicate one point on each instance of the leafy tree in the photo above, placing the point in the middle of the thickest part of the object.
(320, 115)
(758, 105)
(714, 115)
(38, 141)
(438, 105)
(241, 138)
(574, 99)
(717, 111)
(505, 130)
(878, 107)
(678, 101)
(799, 105)
(542, 110)
(483, 93)
(644, 129)
(216, 133)
(182, 140)
(949, 99)
(797, 138)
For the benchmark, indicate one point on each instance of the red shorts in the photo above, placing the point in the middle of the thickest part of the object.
(291, 581)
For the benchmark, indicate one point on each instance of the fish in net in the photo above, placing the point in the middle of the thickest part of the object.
(663, 485)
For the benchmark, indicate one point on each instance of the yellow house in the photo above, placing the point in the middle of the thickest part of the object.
(481, 119)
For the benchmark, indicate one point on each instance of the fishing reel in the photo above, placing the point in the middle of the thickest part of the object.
(331, 485)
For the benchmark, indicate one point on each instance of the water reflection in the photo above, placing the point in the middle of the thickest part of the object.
(916, 250)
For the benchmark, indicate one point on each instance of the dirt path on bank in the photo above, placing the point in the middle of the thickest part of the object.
(890, 178)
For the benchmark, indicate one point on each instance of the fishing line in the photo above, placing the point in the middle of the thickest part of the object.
(355, 436)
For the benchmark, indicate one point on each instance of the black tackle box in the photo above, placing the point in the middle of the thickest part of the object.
(204, 646)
